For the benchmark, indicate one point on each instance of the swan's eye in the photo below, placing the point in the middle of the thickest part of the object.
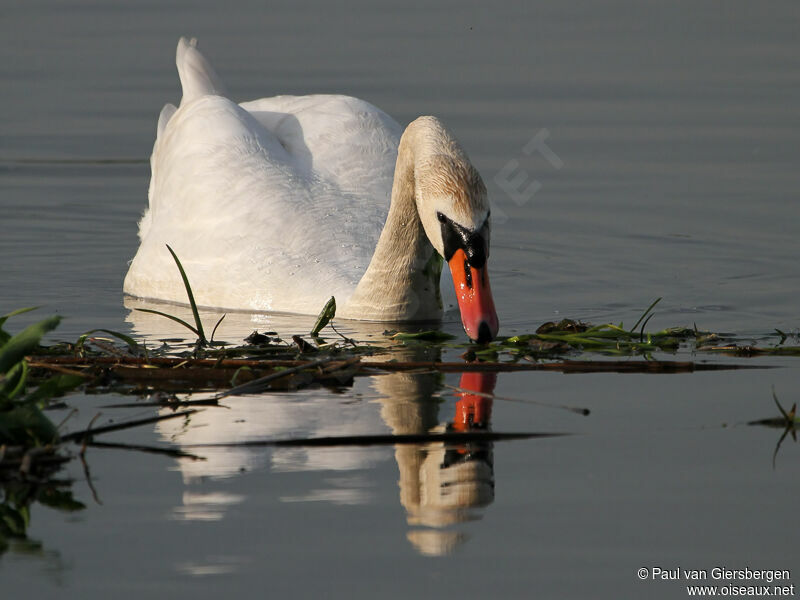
(441, 217)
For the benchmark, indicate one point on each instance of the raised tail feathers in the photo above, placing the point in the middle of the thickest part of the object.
(164, 117)
(198, 77)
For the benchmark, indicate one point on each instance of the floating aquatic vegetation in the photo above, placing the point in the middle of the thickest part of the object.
(269, 363)
(133, 346)
(430, 335)
(325, 316)
(557, 339)
(22, 422)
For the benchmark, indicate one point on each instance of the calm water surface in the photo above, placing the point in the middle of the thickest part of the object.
(672, 139)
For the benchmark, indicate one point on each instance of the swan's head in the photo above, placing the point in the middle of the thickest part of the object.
(454, 210)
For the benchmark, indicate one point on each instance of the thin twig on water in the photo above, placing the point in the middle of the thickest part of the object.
(258, 384)
(574, 409)
(168, 451)
(79, 435)
(465, 437)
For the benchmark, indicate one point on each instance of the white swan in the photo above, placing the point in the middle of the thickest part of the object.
(279, 203)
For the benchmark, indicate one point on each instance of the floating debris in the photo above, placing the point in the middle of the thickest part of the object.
(258, 339)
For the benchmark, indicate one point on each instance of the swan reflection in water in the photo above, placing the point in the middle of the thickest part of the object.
(441, 485)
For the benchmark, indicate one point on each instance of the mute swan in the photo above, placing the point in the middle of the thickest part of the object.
(279, 203)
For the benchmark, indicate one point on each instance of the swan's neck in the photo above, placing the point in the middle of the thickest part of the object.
(402, 280)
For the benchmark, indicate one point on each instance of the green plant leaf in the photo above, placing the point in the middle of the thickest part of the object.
(14, 382)
(132, 345)
(54, 387)
(5, 336)
(26, 425)
(235, 377)
(198, 323)
(517, 340)
(25, 342)
(19, 311)
(12, 523)
(327, 313)
(60, 500)
(214, 331)
(645, 313)
(176, 319)
(425, 336)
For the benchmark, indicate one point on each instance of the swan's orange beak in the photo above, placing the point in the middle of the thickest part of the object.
(474, 298)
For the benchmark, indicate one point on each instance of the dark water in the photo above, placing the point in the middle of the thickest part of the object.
(666, 165)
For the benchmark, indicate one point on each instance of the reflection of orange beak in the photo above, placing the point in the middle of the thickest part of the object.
(474, 411)
(474, 298)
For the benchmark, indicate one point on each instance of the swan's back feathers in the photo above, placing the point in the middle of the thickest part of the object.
(198, 77)
(340, 138)
(275, 204)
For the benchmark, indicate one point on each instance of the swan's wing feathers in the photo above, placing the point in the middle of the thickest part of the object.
(353, 144)
(225, 195)
(345, 150)
(347, 142)
(209, 153)
(198, 77)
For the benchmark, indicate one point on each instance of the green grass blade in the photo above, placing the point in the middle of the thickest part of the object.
(25, 342)
(57, 385)
(327, 313)
(575, 340)
(14, 382)
(13, 313)
(425, 336)
(60, 500)
(213, 331)
(5, 336)
(176, 319)
(132, 345)
(645, 313)
(199, 330)
(26, 425)
(641, 334)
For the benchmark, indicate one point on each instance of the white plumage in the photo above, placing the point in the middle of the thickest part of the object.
(271, 205)
(279, 203)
